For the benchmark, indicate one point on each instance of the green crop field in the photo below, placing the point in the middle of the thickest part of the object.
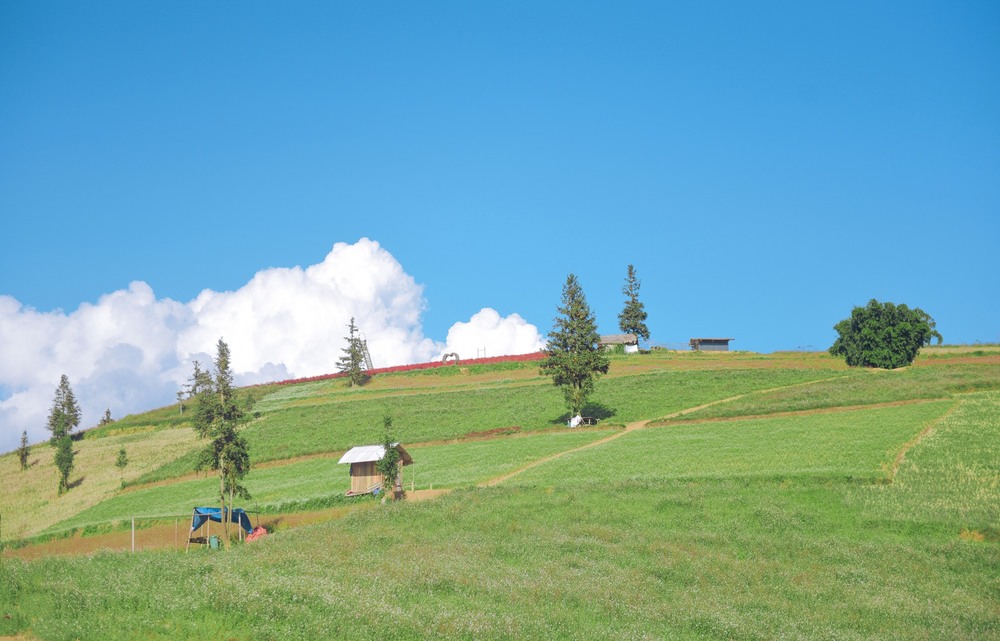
(801, 501)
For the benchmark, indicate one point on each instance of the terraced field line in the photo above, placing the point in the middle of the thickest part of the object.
(809, 412)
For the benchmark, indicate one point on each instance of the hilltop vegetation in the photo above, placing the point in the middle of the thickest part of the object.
(721, 496)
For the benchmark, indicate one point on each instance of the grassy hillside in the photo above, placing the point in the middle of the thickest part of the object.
(751, 496)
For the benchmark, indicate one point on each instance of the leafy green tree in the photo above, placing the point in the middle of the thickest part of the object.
(883, 335)
(220, 413)
(63, 418)
(632, 319)
(106, 419)
(354, 357)
(572, 356)
(24, 451)
(388, 465)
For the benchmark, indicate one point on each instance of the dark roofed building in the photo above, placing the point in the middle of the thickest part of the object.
(710, 344)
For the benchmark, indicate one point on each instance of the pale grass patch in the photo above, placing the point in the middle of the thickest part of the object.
(30, 502)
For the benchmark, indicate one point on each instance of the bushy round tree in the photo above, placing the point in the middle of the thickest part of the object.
(883, 335)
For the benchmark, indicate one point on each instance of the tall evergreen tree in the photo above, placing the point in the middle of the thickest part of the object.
(24, 451)
(63, 418)
(121, 462)
(572, 355)
(201, 389)
(64, 461)
(200, 381)
(65, 413)
(632, 320)
(352, 362)
(220, 414)
(106, 419)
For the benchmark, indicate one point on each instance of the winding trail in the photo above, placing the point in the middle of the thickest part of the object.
(909, 445)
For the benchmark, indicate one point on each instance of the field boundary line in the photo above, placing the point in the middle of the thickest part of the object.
(468, 437)
(817, 410)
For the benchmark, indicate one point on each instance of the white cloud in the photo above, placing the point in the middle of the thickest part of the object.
(131, 351)
(487, 334)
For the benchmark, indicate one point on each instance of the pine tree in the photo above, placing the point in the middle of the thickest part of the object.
(63, 418)
(200, 380)
(64, 461)
(65, 413)
(632, 320)
(572, 355)
(201, 389)
(122, 462)
(220, 413)
(106, 419)
(353, 359)
(24, 451)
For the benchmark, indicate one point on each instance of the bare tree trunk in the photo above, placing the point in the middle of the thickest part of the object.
(222, 494)
(231, 502)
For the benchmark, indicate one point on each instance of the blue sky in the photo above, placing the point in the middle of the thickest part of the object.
(765, 167)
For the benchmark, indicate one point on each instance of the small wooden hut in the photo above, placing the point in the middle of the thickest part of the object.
(364, 477)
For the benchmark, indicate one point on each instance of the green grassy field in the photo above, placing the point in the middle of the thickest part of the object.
(872, 512)
(854, 444)
(323, 482)
(326, 417)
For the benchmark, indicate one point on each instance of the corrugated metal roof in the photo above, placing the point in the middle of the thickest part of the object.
(619, 339)
(367, 453)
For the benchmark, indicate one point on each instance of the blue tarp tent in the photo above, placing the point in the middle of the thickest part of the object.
(203, 515)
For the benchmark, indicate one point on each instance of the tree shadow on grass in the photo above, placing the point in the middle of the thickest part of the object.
(75, 484)
(590, 410)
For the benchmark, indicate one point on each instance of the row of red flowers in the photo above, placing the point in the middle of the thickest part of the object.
(534, 356)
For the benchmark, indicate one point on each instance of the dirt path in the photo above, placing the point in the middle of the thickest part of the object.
(909, 445)
(631, 427)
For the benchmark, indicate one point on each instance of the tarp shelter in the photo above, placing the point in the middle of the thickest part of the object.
(203, 515)
(364, 477)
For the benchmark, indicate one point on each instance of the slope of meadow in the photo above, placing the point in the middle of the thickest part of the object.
(807, 502)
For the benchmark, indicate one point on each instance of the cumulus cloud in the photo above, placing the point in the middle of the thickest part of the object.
(488, 334)
(132, 351)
